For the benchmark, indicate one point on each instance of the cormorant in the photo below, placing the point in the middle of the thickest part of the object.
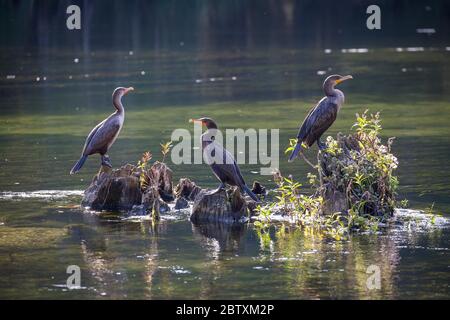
(322, 116)
(101, 138)
(227, 171)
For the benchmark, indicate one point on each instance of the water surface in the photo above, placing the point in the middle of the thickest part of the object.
(51, 101)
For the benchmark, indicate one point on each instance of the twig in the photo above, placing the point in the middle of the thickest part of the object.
(307, 161)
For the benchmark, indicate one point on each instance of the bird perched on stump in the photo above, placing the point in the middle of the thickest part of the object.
(220, 160)
(102, 137)
(321, 117)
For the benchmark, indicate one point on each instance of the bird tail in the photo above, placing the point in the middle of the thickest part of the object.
(78, 165)
(250, 193)
(297, 149)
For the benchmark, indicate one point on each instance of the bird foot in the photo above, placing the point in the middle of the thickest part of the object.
(322, 146)
(220, 188)
(106, 162)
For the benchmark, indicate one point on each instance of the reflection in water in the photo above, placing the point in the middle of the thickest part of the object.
(175, 259)
(220, 241)
(219, 238)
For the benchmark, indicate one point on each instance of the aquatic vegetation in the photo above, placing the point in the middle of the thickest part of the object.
(355, 183)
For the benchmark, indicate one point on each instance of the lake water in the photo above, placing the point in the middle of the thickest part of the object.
(51, 100)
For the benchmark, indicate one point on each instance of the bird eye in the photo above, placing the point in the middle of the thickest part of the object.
(212, 137)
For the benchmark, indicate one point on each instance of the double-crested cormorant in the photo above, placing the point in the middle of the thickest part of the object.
(322, 116)
(227, 170)
(101, 138)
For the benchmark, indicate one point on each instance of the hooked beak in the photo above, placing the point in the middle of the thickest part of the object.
(128, 90)
(196, 121)
(343, 79)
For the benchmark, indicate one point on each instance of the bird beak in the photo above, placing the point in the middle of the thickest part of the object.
(196, 121)
(128, 90)
(343, 79)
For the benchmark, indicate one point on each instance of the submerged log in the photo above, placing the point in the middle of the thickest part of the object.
(221, 206)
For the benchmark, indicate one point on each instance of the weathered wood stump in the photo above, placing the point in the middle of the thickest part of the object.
(258, 189)
(221, 206)
(187, 189)
(122, 190)
(161, 176)
(114, 190)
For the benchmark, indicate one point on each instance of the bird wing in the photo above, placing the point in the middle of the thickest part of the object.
(228, 171)
(308, 122)
(324, 117)
(323, 114)
(100, 137)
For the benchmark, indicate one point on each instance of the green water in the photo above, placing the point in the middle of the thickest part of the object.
(42, 129)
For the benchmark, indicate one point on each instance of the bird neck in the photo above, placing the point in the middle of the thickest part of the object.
(117, 102)
(329, 90)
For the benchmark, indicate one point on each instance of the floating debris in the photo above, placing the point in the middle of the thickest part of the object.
(404, 69)
(321, 72)
(10, 77)
(142, 73)
(130, 53)
(327, 51)
(38, 79)
(76, 60)
(233, 78)
(198, 80)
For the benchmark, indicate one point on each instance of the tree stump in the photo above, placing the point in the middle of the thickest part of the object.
(187, 189)
(350, 178)
(114, 190)
(161, 175)
(222, 206)
(121, 190)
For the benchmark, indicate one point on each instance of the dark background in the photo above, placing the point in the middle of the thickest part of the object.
(207, 25)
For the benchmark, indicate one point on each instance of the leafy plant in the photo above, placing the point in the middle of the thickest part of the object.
(142, 166)
(165, 149)
(358, 166)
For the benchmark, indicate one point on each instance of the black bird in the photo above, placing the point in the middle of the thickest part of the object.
(101, 138)
(322, 116)
(226, 170)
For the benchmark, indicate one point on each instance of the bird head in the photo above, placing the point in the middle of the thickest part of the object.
(121, 91)
(335, 79)
(207, 122)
